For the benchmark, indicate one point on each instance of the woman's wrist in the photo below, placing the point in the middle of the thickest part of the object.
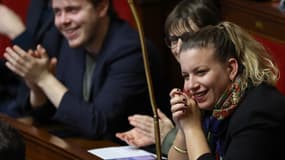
(179, 149)
(180, 140)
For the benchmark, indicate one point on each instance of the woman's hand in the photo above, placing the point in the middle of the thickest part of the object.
(143, 132)
(135, 138)
(185, 111)
(145, 124)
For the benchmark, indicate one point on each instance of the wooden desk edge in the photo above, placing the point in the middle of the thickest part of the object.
(43, 138)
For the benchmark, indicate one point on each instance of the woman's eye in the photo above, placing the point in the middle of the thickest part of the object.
(201, 72)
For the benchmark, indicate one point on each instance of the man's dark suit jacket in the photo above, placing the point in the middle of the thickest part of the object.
(118, 87)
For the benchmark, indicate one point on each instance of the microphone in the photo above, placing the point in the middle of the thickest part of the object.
(148, 78)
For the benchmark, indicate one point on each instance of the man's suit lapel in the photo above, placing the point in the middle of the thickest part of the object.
(102, 61)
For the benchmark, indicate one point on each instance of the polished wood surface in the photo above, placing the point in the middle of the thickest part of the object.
(40, 145)
(261, 18)
(87, 144)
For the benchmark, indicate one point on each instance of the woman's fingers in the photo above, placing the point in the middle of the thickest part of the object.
(143, 122)
(175, 91)
(178, 107)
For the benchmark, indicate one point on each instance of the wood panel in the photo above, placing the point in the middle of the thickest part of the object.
(262, 18)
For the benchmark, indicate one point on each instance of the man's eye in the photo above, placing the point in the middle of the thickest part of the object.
(56, 12)
(72, 10)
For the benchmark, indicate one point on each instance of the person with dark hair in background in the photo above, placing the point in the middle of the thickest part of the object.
(186, 18)
(94, 92)
(229, 108)
(12, 146)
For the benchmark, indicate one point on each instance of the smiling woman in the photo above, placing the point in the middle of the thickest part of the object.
(200, 69)
(230, 108)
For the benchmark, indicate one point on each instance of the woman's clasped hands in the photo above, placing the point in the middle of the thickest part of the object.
(185, 111)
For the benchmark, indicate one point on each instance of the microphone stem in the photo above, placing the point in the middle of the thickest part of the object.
(149, 80)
